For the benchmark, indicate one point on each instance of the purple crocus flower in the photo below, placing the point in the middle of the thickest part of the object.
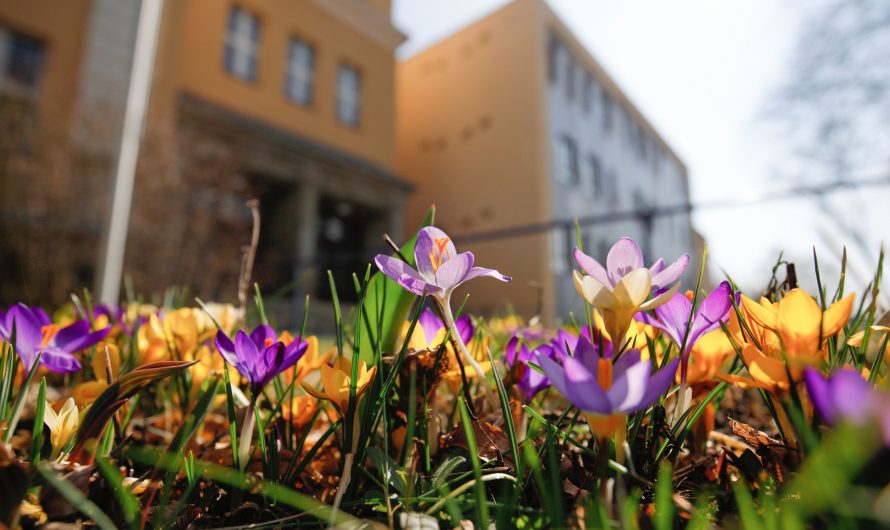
(558, 349)
(621, 289)
(35, 333)
(440, 269)
(847, 397)
(624, 257)
(260, 356)
(673, 317)
(432, 325)
(531, 381)
(600, 387)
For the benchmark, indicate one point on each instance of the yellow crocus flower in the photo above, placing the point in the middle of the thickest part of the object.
(310, 361)
(62, 425)
(791, 331)
(335, 381)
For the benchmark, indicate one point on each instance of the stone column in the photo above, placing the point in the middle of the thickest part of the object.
(305, 249)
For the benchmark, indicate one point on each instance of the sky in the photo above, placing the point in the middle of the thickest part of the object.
(703, 73)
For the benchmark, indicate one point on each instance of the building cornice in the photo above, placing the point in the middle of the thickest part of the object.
(291, 142)
(366, 19)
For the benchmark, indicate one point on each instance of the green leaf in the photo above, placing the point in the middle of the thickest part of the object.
(113, 398)
(398, 303)
(76, 497)
(446, 468)
(664, 502)
(125, 498)
(388, 470)
(37, 433)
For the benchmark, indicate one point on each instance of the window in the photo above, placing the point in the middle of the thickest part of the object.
(559, 252)
(300, 72)
(644, 145)
(554, 50)
(596, 175)
(242, 44)
(608, 109)
(566, 161)
(22, 60)
(571, 68)
(21, 64)
(611, 186)
(348, 95)
(587, 95)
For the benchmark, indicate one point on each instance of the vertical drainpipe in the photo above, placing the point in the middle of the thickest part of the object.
(114, 236)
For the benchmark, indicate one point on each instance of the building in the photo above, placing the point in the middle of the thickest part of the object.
(510, 126)
(288, 101)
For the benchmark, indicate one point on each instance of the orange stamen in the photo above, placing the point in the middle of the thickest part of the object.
(604, 373)
(436, 258)
(268, 342)
(49, 332)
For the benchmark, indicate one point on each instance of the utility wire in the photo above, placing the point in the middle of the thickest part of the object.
(648, 214)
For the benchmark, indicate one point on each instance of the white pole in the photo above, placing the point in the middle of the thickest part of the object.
(115, 233)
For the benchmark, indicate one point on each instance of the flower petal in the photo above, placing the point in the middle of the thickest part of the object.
(583, 390)
(665, 276)
(465, 328)
(592, 267)
(820, 395)
(454, 271)
(764, 314)
(713, 310)
(633, 289)
(404, 275)
(799, 321)
(248, 357)
(59, 361)
(624, 257)
(661, 299)
(852, 396)
(660, 383)
(263, 336)
(629, 388)
(674, 316)
(554, 371)
(837, 315)
(428, 247)
(423, 251)
(478, 272)
(225, 347)
(77, 336)
(585, 352)
(593, 291)
(28, 332)
(430, 325)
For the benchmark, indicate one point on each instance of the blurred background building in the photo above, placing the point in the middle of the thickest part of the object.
(514, 130)
(510, 126)
(288, 102)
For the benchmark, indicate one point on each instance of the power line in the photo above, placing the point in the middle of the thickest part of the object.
(648, 214)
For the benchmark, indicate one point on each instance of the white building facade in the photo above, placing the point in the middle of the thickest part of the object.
(608, 165)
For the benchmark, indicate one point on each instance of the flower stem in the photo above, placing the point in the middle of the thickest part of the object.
(246, 436)
(346, 478)
(682, 402)
(449, 321)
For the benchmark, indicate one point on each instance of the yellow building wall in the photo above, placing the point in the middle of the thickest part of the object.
(472, 136)
(62, 28)
(195, 53)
